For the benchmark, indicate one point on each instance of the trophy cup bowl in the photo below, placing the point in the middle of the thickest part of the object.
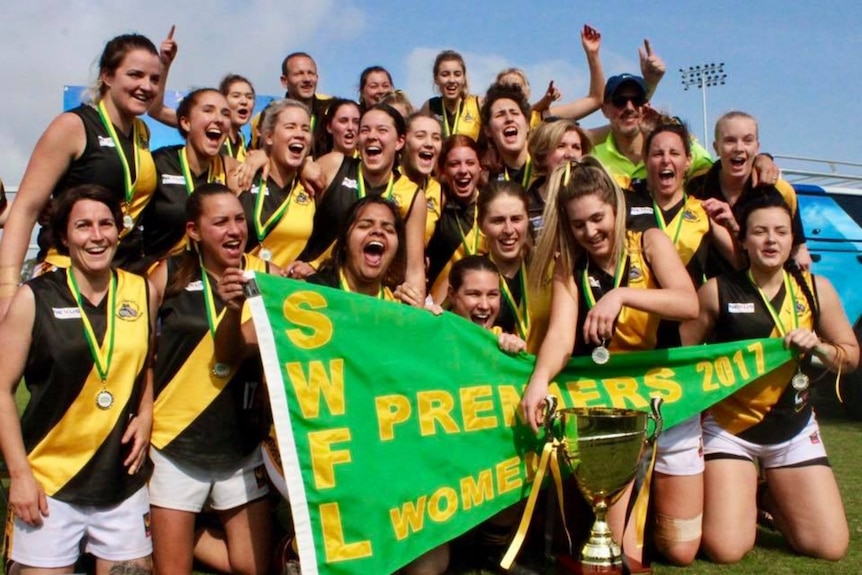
(602, 447)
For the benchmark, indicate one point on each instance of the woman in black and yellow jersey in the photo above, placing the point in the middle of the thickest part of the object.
(278, 210)
(552, 143)
(505, 117)
(770, 422)
(203, 121)
(374, 173)
(77, 458)
(104, 143)
(457, 232)
(455, 107)
(611, 287)
(504, 221)
(419, 162)
(206, 421)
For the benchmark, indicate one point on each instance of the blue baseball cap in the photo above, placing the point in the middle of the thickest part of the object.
(614, 83)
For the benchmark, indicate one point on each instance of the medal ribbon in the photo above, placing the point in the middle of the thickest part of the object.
(360, 182)
(475, 231)
(112, 132)
(101, 356)
(262, 228)
(522, 313)
(587, 289)
(460, 107)
(528, 173)
(789, 291)
(215, 172)
(659, 219)
(213, 318)
(241, 152)
(342, 283)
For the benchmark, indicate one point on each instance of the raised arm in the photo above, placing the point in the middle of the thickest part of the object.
(652, 68)
(591, 40)
(158, 110)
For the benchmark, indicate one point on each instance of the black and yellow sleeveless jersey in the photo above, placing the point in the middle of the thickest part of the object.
(456, 236)
(635, 330)
(164, 220)
(72, 445)
(433, 203)
(767, 410)
(286, 219)
(235, 149)
(467, 120)
(342, 193)
(203, 415)
(100, 164)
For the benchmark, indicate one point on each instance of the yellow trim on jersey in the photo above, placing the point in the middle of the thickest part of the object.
(285, 240)
(636, 330)
(62, 453)
(474, 237)
(434, 205)
(191, 391)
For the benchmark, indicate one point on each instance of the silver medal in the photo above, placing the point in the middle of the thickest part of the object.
(799, 381)
(128, 222)
(265, 254)
(600, 355)
(104, 399)
(221, 370)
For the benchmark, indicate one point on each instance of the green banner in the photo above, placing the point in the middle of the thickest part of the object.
(398, 428)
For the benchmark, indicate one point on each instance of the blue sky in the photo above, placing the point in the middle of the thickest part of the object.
(796, 66)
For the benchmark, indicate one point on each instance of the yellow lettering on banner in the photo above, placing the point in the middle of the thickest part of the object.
(583, 392)
(296, 310)
(475, 491)
(660, 380)
(436, 406)
(510, 399)
(508, 475)
(706, 368)
(410, 518)
(333, 537)
(757, 349)
(391, 410)
(324, 458)
(439, 512)
(308, 390)
(622, 390)
(474, 401)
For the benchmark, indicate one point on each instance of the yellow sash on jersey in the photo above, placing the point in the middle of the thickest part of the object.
(473, 238)
(749, 405)
(434, 205)
(289, 236)
(636, 330)
(693, 224)
(71, 443)
(191, 391)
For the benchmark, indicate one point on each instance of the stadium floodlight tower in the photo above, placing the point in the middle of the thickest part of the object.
(703, 77)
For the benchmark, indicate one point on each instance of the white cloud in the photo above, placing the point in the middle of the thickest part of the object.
(50, 44)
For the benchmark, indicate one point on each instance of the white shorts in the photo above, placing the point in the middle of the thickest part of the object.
(806, 446)
(680, 449)
(188, 488)
(118, 533)
(272, 462)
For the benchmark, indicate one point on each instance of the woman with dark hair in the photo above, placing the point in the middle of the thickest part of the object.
(339, 129)
(103, 142)
(207, 422)
(770, 423)
(204, 118)
(455, 107)
(374, 173)
(457, 233)
(374, 83)
(78, 456)
(505, 125)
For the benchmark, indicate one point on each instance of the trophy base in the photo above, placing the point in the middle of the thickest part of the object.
(569, 565)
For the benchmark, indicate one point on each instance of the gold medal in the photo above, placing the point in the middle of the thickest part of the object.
(221, 370)
(104, 400)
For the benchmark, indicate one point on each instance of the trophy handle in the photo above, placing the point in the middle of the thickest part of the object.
(655, 416)
(551, 414)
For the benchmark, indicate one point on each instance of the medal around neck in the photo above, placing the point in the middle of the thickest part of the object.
(128, 222)
(221, 370)
(265, 254)
(104, 400)
(799, 381)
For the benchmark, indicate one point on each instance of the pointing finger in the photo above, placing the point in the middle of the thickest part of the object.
(171, 33)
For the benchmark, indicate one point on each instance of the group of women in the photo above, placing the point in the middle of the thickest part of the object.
(147, 403)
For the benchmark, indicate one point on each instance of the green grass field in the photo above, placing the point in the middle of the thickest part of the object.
(771, 556)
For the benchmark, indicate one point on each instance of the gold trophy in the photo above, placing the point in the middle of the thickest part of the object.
(602, 447)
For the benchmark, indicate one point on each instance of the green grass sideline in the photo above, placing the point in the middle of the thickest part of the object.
(771, 555)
